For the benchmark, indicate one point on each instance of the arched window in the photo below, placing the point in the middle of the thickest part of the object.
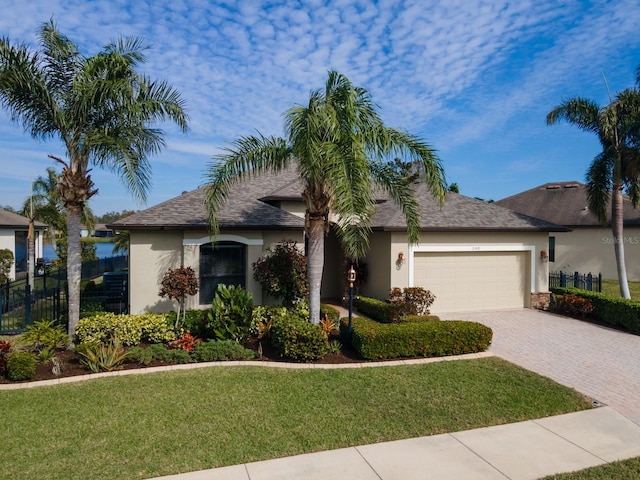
(222, 262)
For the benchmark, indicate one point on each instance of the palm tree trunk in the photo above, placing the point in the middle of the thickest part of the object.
(617, 226)
(74, 265)
(315, 264)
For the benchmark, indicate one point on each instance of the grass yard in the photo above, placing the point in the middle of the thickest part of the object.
(623, 470)
(142, 426)
(612, 287)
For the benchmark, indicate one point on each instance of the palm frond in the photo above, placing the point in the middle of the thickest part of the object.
(599, 185)
(247, 156)
(578, 111)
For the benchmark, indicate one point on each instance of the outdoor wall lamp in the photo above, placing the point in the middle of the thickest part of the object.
(400, 260)
(543, 255)
(351, 278)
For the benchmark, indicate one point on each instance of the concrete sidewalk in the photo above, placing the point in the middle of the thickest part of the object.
(519, 451)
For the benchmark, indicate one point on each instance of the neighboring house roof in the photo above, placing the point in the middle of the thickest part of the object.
(563, 203)
(252, 204)
(13, 220)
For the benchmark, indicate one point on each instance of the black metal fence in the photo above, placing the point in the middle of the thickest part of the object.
(20, 306)
(576, 280)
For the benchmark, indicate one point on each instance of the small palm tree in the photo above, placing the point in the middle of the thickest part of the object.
(101, 109)
(341, 149)
(617, 166)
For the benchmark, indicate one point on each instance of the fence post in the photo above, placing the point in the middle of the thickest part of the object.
(27, 305)
(600, 282)
(590, 282)
(563, 279)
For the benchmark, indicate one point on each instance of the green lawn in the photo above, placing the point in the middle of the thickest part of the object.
(165, 423)
(612, 287)
(624, 470)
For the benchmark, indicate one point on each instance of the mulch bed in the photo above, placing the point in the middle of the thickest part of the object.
(72, 367)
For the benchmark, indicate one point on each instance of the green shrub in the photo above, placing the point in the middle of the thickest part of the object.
(220, 350)
(331, 312)
(128, 329)
(418, 318)
(144, 356)
(140, 355)
(230, 315)
(298, 339)
(178, 355)
(21, 366)
(262, 318)
(378, 310)
(374, 340)
(195, 322)
(45, 335)
(101, 357)
(607, 309)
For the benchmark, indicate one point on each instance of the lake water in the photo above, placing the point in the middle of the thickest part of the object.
(103, 250)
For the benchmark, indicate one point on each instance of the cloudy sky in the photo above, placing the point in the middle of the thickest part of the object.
(474, 78)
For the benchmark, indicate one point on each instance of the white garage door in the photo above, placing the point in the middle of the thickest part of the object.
(465, 281)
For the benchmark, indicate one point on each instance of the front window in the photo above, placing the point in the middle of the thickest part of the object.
(223, 262)
(552, 249)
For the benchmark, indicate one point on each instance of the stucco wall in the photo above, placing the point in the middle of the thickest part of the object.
(591, 250)
(152, 253)
(386, 271)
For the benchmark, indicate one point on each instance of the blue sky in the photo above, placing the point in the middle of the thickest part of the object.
(474, 78)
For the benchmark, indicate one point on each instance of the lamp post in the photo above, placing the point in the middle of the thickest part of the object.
(351, 277)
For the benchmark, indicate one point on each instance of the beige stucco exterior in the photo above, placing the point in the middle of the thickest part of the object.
(387, 269)
(153, 252)
(591, 250)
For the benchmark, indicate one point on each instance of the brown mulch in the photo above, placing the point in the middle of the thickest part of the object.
(72, 367)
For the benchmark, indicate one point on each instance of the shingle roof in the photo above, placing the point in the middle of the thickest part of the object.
(243, 209)
(13, 220)
(459, 213)
(246, 208)
(563, 203)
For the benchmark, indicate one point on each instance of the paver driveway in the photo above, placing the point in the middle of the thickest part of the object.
(598, 361)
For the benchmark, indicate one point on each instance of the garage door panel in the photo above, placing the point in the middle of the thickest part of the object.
(463, 281)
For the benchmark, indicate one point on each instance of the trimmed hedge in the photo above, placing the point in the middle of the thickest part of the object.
(128, 329)
(298, 339)
(376, 309)
(614, 311)
(385, 312)
(329, 311)
(374, 340)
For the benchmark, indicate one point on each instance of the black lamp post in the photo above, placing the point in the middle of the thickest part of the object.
(351, 277)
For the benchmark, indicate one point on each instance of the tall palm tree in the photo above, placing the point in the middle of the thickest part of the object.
(341, 149)
(616, 167)
(101, 109)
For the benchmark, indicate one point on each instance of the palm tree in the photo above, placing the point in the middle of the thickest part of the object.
(341, 149)
(617, 166)
(101, 109)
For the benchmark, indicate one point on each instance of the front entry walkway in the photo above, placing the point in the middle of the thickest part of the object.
(598, 361)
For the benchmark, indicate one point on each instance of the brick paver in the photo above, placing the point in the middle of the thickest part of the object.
(598, 361)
